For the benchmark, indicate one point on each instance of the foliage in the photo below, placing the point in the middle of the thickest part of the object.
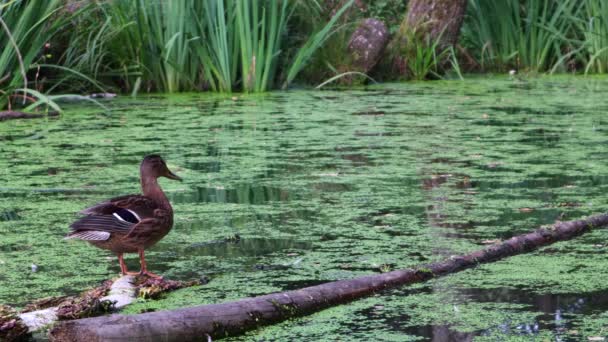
(26, 26)
(253, 46)
(333, 58)
(142, 43)
(593, 26)
(420, 53)
(28, 29)
(260, 34)
(313, 44)
(391, 12)
(174, 46)
(510, 34)
(538, 35)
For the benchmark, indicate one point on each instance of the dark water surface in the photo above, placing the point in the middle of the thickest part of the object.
(293, 189)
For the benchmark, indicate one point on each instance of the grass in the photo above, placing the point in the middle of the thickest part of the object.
(509, 34)
(171, 46)
(258, 45)
(420, 54)
(152, 48)
(594, 29)
(218, 46)
(538, 35)
(25, 28)
(260, 31)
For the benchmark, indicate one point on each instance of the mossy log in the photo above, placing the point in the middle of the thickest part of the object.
(219, 320)
(111, 296)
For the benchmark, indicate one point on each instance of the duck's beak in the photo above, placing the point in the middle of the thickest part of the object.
(172, 175)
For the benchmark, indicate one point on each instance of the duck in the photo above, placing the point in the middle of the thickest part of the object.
(131, 223)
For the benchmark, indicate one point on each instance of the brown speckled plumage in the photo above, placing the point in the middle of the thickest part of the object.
(131, 223)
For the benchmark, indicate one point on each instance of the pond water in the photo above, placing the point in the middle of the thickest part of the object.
(297, 188)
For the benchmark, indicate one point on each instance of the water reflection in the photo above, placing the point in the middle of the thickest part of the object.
(541, 180)
(245, 247)
(208, 166)
(242, 193)
(557, 310)
(556, 313)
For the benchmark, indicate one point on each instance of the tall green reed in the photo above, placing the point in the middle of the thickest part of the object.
(261, 26)
(181, 45)
(422, 53)
(25, 27)
(246, 43)
(529, 34)
(154, 40)
(594, 31)
(217, 44)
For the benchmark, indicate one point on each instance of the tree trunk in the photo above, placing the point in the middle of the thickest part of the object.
(220, 320)
(439, 18)
(367, 43)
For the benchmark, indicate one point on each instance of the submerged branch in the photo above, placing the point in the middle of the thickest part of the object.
(10, 115)
(231, 318)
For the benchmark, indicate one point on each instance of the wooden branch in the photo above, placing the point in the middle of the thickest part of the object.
(122, 293)
(110, 296)
(219, 320)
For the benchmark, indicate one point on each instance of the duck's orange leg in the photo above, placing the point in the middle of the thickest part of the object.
(144, 270)
(123, 266)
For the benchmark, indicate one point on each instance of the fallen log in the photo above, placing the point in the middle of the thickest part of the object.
(220, 320)
(42, 313)
(111, 296)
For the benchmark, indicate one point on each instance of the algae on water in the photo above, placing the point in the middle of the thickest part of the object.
(292, 189)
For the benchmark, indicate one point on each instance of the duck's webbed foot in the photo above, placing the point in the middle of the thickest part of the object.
(144, 270)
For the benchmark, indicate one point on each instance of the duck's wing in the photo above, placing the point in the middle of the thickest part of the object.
(142, 206)
(99, 227)
(117, 215)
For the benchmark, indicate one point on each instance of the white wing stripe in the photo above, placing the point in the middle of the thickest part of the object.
(134, 214)
(123, 220)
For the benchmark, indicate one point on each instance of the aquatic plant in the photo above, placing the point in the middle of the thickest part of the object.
(420, 53)
(25, 28)
(223, 45)
(528, 35)
(146, 44)
(593, 26)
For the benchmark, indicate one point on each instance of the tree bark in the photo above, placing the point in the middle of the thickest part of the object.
(367, 43)
(439, 18)
(220, 320)
(110, 296)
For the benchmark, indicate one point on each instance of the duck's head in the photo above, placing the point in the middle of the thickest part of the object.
(154, 166)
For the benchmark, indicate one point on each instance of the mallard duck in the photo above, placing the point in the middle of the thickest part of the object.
(131, 223)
